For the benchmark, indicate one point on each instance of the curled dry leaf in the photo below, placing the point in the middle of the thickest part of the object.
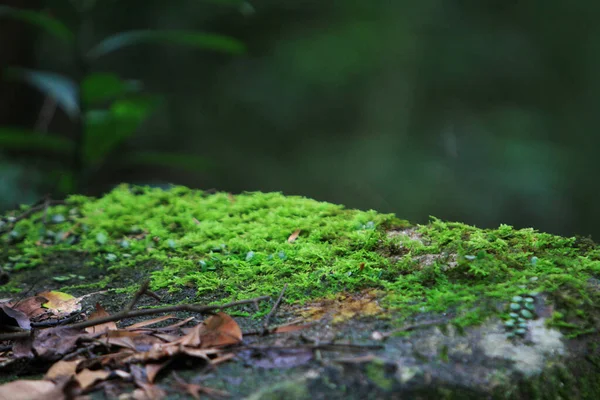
(219, 330)
(29, 390)
(12, 317)
(100, 313)
(88, 378)
(54, 343)
(62, 370)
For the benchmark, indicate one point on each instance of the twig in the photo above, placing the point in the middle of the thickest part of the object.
(55, 322)
(141, 313)
(273, 310)
(142, 290)
(30, 211)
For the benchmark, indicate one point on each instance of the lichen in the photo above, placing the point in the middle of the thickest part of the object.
(234, 247)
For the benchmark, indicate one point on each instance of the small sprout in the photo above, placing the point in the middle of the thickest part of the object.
(171, 243)
(527, 314)
(110, 257)
(61, 278)
(510, 323)
(470, 257)
(522, 324)
(249, 255)
(533, 294)
(81, 277)
(126, 255)
(50, 234)
(533, 279)
(135, 230)
(530, 306)
(514, 315)
(529, 299)
(203, 265)
(58, 218)
(101, 238)
(124, 243)
(515, 306)
(521, 319)
(521, 331)
(517, 299)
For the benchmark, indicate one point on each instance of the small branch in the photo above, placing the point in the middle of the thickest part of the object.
(141, 291)
(29, 212)
(141, 313)
(273, 311)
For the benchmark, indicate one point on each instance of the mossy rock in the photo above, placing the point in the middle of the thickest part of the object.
(515, 312)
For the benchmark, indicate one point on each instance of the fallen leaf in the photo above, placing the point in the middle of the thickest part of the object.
(219, 330)
(31, 306)
(12, 317)
(294, 236)
(62, 369)
(61, 303)
(133, 340)
(25, 389)
(53, 343)
(290, 328)
(100, 313)
(87, 378)
(152, 370)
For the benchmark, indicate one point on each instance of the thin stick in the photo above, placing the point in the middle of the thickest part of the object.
(273, 311)
(142, 290)
(32, 210)
(141, 313)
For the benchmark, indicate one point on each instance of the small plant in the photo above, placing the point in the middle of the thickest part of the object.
(105, 109)
(522, 309)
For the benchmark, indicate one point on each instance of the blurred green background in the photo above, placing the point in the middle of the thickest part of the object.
(483, 112)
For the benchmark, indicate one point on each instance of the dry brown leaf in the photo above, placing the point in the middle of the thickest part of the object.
(53, 343)
(219, 330)
(28, 390)
(60, 303)
(198, 353)
(62, 369)
(10, 314)
(148, 392)
(152, 370)
(31, 306)
(133, 340)
(222, 359)
(87, 378)
(294, 236)
(149, 322)
(100, 313)
(192, 338)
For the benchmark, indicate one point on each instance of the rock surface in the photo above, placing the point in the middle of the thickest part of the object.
(442, 310)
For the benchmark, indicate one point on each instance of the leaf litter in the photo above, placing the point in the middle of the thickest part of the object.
(84, 354)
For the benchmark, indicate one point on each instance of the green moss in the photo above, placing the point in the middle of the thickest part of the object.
(233, 247)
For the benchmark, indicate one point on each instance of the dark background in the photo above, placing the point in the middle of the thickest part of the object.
(483, 112)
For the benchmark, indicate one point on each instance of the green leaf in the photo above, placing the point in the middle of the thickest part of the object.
(99, 87)
(107, 129)
(199, 40)
(61, 88)
(49, 24)
(169, 160)
(17, 139)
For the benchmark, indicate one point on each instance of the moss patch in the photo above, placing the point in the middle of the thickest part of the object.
(227, 247)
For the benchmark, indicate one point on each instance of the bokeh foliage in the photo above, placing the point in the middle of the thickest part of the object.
(483, 112)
